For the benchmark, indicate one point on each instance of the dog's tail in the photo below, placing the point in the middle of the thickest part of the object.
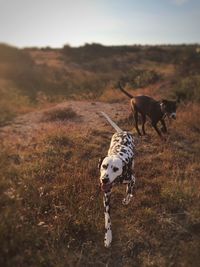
(126, 93)
(113, 124)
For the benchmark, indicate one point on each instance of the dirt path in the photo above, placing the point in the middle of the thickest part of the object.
(25, 128)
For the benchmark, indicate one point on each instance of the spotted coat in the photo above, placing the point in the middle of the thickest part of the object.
(122, 146)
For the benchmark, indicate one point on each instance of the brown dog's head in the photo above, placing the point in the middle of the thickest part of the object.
(169, 108)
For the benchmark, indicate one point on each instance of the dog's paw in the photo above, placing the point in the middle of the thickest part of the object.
(127, 199)
(108, 239)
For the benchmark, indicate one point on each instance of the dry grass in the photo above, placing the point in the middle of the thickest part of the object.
(53, 216)
(60, 115)
(51, 209)
(112, 95)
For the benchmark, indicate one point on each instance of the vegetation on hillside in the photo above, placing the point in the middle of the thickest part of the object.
(50, 204)
(89, 69)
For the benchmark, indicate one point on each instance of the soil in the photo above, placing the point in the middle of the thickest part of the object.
(24, 128)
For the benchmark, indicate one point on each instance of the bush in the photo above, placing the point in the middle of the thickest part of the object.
(140, 78)
(11, 103)
(18, 67)
(188, 89)
(189, 63)
(60, 114)
(94, 51)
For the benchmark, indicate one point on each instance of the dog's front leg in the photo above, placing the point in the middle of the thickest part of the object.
(129, 191)
(164, 128)
(108, 233)
(158, 131)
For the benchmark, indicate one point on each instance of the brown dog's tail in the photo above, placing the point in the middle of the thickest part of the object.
(126, 93)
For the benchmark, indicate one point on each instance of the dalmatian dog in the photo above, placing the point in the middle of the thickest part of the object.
(116, 168)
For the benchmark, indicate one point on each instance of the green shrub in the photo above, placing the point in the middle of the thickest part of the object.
(140, 78)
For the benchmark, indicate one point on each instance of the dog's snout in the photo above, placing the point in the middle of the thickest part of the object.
(105, 180)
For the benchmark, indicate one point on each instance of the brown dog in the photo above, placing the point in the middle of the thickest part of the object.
(155, 110)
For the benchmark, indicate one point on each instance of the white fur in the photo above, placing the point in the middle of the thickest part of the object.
(112, 162)
(173, 115)
(108, 238)
(108, 234)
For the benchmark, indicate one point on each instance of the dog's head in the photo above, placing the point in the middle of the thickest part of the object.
(110, 169)
(169, 108)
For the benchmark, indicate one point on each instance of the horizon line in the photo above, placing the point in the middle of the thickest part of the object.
(98, 43)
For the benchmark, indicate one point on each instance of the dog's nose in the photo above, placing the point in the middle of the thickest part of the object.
(105, 180)
(173, 116)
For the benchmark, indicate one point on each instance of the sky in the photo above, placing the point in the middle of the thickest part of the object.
(27, 23)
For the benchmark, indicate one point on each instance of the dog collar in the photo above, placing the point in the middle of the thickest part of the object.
(162, 110)
(161, 107)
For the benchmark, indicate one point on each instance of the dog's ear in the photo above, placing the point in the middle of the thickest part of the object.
(125, 169)
(100, 162)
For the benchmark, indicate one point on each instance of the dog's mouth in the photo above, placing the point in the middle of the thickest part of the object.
(172, 116)
(106, 187)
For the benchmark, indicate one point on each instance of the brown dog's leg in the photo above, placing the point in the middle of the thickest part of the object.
(154, 124)
(164, 128)
(143, 123)
(136, 121)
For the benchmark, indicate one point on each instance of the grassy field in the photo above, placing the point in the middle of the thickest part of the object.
(51, 208)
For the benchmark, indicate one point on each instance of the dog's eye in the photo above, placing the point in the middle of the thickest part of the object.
(115, 169)
(104, 166)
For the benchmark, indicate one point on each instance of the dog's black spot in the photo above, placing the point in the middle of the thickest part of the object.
(115, 169)
(106, 203)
